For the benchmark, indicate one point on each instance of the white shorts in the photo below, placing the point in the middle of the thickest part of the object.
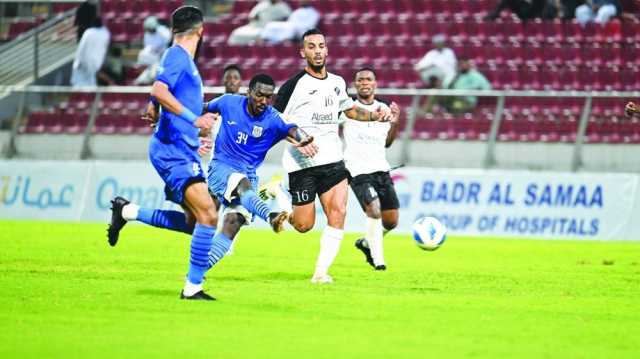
(232, 184)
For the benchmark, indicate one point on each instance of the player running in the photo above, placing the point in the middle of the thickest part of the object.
(365, 159)
(173, 150)
(314, 98)
(249, 129)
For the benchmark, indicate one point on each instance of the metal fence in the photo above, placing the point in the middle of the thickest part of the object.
(416, 95)
(38, 51)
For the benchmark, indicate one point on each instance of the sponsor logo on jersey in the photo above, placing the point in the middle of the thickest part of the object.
(312, 92)
(319, 118)
(257, 131)
(337, 90)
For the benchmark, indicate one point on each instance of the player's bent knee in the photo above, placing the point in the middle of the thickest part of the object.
(243, 186)
(208, 217)
(389, 225)
(232, 224)
(337, 214)
(303, 227)
(373, 211)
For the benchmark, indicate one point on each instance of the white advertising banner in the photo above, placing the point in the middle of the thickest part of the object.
(521, 203)
(469, 202)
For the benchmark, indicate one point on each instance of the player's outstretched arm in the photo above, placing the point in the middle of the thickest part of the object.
(161, 92)
(393, 130)
(360, 114)
(631, 109)
(302, 141)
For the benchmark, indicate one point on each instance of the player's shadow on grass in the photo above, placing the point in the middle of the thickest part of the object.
(273, 276)
(157, 292)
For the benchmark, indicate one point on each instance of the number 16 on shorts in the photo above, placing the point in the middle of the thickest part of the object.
(301, 196)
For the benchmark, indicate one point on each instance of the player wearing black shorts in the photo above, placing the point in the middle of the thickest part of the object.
(369, 170)
(313, 100)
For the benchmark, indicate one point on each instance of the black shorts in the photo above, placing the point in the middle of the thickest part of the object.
(306, 183)
(367, 187)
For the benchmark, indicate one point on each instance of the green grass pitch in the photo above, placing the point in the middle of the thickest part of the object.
(66, 293)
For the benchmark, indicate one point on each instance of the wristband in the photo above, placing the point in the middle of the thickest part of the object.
(154, 101)
(188, 115)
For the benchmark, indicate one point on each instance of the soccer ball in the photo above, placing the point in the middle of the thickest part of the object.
(429, 233)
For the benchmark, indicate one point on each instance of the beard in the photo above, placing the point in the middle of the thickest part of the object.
(316, 68)
(198, 47)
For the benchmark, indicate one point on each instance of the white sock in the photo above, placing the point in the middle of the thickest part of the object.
(130, 211)
(329, 246)
(373, 238)
(282, 198)
(190, 288)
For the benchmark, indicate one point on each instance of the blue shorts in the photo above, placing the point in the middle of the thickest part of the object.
(178, 165)
(223, 180)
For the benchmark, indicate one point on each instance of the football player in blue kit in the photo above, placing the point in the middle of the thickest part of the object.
(249, 128)
(173, 151)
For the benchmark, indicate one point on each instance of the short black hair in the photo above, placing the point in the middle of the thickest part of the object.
(186, 18)
(96, 22)
(232, 67)
(355, 74)
(309, 33)
(261, 79)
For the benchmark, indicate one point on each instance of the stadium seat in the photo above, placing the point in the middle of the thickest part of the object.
(392, 35)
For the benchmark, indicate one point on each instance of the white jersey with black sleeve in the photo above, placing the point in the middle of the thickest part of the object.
(365, 150)
(314, 105)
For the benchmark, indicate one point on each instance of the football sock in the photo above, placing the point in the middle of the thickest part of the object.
(373, 238)
(219, 248)
(255, 205)
(173, 220)
(329, 247)
(130, 212)
(200, 246)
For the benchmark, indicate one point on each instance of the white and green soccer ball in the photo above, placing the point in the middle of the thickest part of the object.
(429, 233)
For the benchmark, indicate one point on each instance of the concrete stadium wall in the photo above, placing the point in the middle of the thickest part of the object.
(432, 153)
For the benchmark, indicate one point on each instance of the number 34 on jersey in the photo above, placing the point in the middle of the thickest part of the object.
(243, 137)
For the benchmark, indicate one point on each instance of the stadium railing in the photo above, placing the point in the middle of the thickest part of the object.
(416, 97)
(39, 51)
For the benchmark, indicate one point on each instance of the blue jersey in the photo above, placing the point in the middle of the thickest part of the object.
(243, 140)
(178, 71)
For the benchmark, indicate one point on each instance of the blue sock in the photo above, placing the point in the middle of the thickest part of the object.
(173, 220)
(219, 248)
(255, 205)
(200, 246)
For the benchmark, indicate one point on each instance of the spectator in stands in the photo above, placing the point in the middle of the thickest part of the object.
(467, 78)
(112, 71)
(438, 66)
(232, 78)
(304, 18)
(524, 9)
(562, 9)
(598, 11)
(90, 54)
(261, 14)
(85, 16)
(156, 39)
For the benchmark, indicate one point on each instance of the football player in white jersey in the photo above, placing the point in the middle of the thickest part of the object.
(313, 99)
(364, 156)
